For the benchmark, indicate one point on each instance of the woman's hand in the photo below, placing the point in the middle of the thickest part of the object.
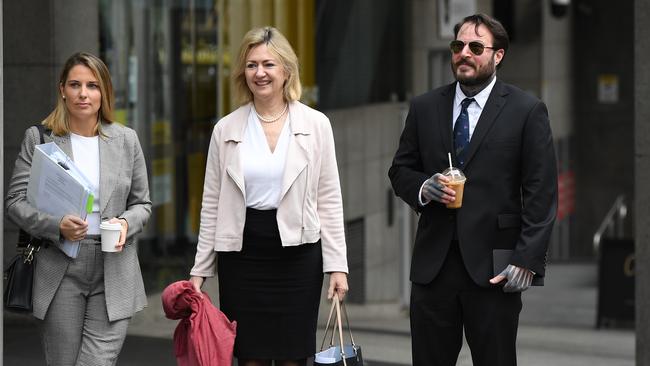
(338, 283)
(73, 227)
(197, 282)
(123, 230)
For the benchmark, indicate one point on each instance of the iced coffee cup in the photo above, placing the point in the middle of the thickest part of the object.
(457, 183)
(110, 233)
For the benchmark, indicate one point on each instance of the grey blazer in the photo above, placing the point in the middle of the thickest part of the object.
(124, 192)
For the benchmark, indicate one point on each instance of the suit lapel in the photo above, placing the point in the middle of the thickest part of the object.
(297, 152)
(234, 133)
(493, 106)
(296, 161)
(445, 116)
(64, 143)
(110, 162)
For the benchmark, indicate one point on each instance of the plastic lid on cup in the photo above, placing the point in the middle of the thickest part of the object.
(454, 174)
(110, 226)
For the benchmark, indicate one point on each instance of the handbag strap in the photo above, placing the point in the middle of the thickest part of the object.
(347, 321)
(41, 132)
(333, 325)
(340, 327)
(327, 327)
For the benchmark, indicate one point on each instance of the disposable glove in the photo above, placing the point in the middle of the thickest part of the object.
(434, 189)
(519, 279)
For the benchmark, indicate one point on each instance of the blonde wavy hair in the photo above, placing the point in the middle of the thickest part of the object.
(279, 46)
(59, 119)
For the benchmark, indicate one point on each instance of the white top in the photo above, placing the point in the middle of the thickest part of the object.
(474, 109)
(86, 157)
(263, 170)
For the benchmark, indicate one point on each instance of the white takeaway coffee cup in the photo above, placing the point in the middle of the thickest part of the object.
(110, 235)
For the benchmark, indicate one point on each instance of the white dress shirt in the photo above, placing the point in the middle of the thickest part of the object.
(474, 111)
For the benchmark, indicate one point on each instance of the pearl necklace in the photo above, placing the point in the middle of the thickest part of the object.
(272, 118)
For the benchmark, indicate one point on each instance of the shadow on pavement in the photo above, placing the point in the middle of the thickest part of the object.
(22, 346)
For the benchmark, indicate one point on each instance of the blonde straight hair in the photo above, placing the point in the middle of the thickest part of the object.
(59, 119)
(280, 47)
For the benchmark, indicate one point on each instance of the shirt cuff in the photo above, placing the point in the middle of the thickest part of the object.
(420, 201)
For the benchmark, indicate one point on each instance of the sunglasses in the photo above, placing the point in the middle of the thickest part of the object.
(477, 48)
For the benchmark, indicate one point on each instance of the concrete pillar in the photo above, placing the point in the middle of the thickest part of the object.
(642, 179)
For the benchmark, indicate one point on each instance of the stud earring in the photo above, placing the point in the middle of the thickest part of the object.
(63, 97)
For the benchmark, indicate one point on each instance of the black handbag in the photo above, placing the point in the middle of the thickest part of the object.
(344, 354)
(20, 277)
(20, 273)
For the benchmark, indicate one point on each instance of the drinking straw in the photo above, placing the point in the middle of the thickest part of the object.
(449, 156)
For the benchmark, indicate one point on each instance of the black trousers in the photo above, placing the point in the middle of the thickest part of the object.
(440, 310)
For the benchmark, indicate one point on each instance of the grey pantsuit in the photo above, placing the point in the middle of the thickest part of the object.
(78, 315)
(124, 192)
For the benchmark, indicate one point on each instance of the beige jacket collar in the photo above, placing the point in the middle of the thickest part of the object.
(298, 122)
(297, 154)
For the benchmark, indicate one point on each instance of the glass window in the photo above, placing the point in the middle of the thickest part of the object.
(163, 59)
(170, 62)
(360, 52)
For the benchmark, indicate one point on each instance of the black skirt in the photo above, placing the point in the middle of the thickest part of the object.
(271, 291)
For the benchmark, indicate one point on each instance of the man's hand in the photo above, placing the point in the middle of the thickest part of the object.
(434, 189)
(519, 279)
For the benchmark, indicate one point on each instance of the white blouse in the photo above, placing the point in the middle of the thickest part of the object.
(86, 157)
(263, 169)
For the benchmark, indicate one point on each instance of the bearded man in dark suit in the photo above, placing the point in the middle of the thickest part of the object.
(471, 264)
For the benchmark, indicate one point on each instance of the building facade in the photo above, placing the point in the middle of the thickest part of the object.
(360, 63)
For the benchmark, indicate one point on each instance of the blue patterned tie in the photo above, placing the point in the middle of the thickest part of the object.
(461, 131)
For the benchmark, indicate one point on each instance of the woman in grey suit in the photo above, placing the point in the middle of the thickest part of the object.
(85, 303)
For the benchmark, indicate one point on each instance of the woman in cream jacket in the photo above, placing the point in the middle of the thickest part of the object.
(272, 213)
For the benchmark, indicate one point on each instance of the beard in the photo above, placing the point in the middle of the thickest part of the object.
(481, 77)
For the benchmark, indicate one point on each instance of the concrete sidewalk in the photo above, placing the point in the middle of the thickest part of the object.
(556, 328)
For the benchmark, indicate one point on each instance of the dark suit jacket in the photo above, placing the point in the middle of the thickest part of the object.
(510, 198)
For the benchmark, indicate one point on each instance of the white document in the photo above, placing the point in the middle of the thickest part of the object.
(57, 186)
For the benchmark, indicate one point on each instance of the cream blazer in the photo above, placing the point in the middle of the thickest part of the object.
(310, 209)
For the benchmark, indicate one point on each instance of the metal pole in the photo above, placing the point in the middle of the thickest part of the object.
(622, 212)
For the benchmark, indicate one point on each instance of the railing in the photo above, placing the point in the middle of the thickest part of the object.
(613, 223)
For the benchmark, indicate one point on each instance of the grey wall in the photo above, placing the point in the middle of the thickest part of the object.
(39, 35)
(522, 65)
(556, 71)
(366, 139)
(602, 34)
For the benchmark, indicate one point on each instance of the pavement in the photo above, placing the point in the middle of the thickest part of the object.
(557, 327)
